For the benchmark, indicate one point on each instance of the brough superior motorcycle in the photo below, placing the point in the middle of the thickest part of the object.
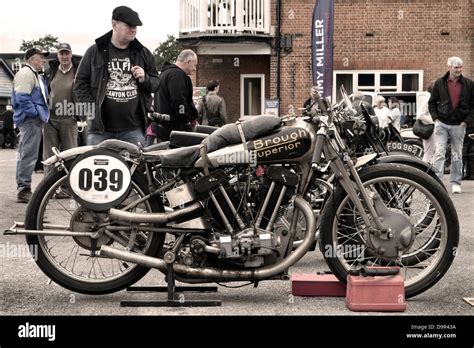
(226, 220)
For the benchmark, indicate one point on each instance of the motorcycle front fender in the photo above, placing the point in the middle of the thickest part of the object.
(411, 161)
(363, 160)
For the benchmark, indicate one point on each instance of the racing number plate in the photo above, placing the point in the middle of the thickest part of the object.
(99, 179)
(397, 146)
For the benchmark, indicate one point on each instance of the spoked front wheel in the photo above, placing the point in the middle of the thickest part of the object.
(347, 243)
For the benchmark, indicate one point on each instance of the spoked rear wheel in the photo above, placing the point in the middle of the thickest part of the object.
(413, 194)
(72, 261)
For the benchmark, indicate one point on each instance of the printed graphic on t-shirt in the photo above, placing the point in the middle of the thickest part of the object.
(121, 86)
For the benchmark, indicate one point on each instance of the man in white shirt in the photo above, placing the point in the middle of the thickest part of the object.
(394, 106)
(383, 113)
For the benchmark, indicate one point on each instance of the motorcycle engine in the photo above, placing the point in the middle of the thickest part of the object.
(243, 210)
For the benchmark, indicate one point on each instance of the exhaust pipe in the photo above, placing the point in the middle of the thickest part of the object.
(155, 218)
(214, 274)
(153, 262)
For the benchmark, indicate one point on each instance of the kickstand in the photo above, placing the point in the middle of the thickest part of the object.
(173, 300)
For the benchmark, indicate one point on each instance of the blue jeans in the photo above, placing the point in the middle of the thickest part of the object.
(455, 134)
(133, 136)
(30, 139)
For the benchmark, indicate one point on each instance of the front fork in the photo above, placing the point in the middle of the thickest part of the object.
(343, 169)
(346, 173)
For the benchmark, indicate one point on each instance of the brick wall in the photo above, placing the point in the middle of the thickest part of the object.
(407, 35)
(228, 73)
(295, 66)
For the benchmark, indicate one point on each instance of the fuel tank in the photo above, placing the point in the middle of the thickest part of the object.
(292, 143)
(288, 144)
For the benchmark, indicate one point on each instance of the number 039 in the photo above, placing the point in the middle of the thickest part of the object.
(101, 180)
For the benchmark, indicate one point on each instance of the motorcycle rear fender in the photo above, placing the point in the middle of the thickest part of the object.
(68, 154)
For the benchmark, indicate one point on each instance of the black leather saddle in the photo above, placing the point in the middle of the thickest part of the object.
(227, 135)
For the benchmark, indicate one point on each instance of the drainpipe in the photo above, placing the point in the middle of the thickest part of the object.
(278, 41)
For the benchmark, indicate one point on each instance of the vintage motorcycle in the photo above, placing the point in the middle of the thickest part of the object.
(230, 221)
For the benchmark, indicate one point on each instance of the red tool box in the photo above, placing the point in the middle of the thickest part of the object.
(317, 285)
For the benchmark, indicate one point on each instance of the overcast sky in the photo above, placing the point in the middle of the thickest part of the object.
(80, 22)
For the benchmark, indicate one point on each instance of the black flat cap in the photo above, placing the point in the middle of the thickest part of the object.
(32, 51)
(127, 15)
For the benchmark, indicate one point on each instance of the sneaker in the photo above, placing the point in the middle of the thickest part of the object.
(39, 171)
(23, 196)
(456, 188)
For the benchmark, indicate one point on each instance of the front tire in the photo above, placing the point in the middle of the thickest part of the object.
(436, 241)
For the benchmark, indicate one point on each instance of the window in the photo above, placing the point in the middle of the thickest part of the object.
(252, 94)
(345, 80)
(366, 80)
(378, 81)
(388, 82)
(409, 82)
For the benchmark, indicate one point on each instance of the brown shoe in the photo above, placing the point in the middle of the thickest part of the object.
(23, 196)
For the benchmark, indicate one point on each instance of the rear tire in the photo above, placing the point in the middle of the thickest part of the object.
(45, 209)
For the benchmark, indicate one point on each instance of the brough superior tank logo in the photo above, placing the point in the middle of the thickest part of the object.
(280, 144)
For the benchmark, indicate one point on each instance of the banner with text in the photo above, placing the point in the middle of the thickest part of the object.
(322, 46)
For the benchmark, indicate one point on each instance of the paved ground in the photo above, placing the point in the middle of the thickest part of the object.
(24, 290)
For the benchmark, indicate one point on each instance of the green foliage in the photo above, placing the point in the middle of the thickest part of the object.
(167, 51)
(46, 42)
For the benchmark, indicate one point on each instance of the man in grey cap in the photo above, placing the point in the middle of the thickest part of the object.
(61, 129)
(117, 74)
(30, 103)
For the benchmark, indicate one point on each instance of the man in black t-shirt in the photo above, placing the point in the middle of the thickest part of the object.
(117, 76)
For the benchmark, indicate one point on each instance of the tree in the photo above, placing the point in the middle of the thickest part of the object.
(167, 51)
(46, 42)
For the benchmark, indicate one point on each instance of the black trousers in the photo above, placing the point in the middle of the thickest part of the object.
(9, 138)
